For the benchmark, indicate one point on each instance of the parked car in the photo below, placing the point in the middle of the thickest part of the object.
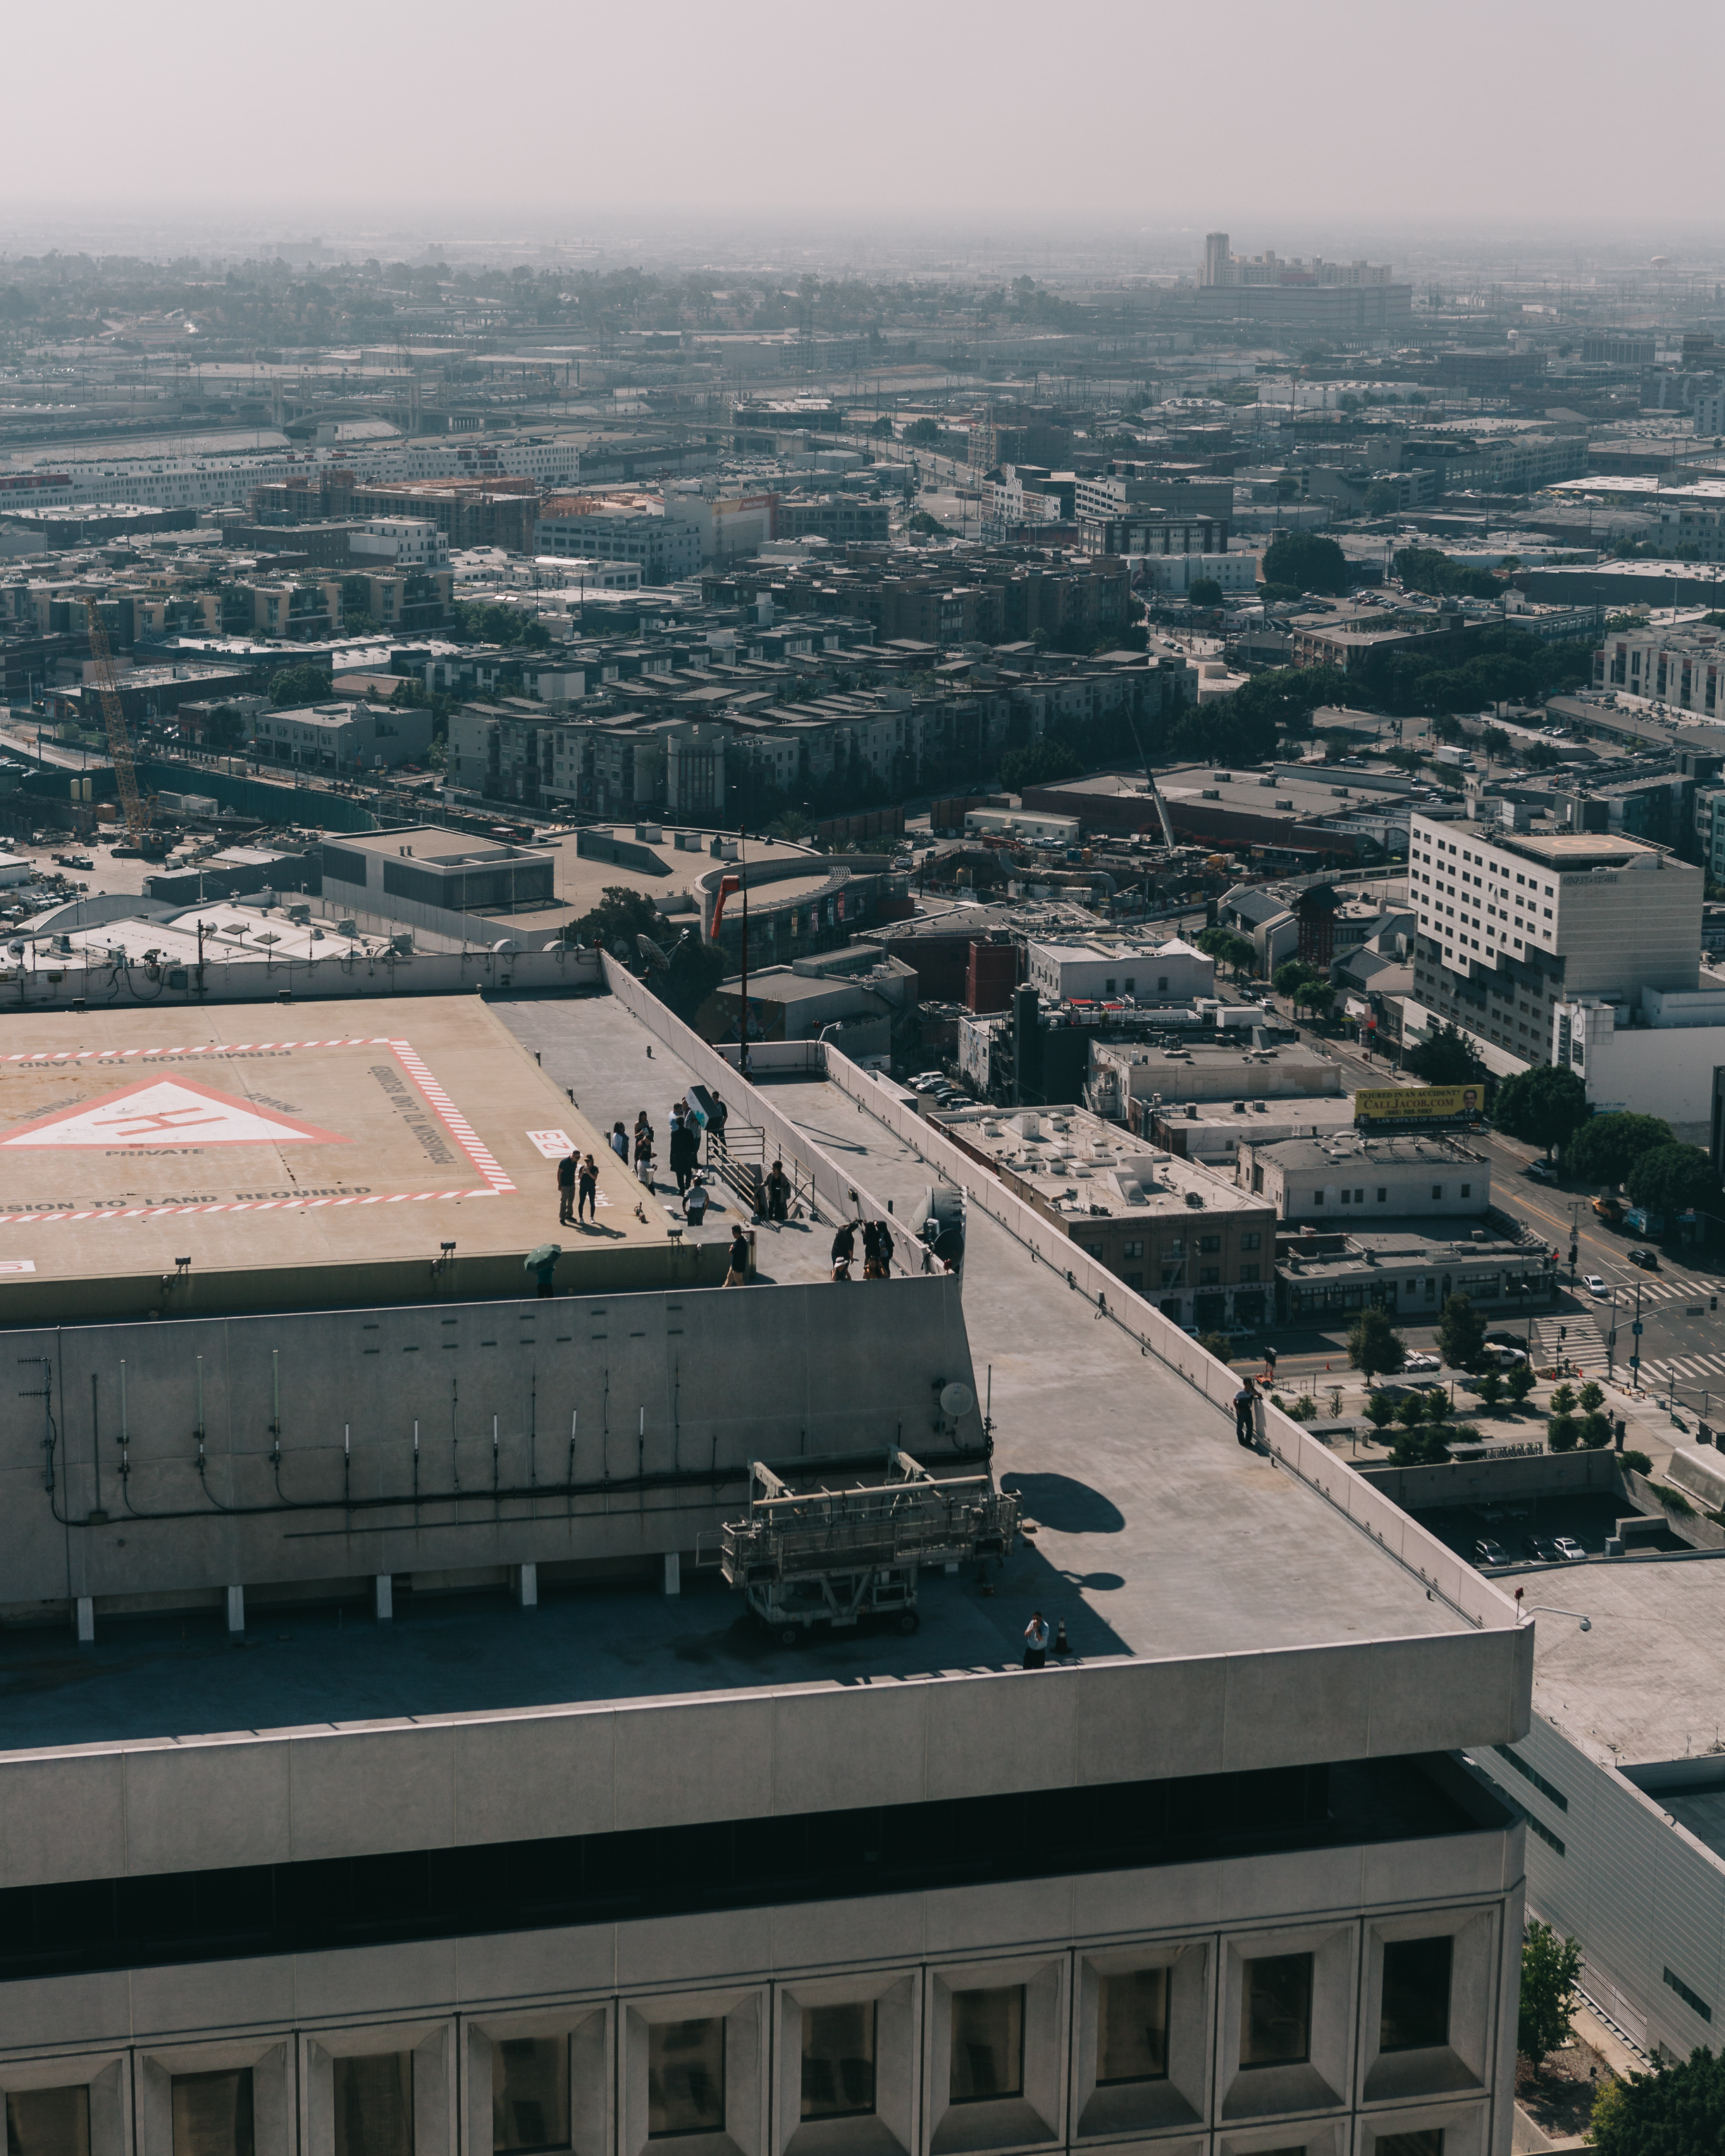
(1541, 1171)
(1595, 1285)
(1608, 1208)
(1422, 1360)
(1541, 1549)
(1569, 1549)
(1487, 1552)
(1506, 1357)
(1648, 1261)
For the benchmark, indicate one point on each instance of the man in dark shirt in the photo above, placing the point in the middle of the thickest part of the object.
(565, 1189)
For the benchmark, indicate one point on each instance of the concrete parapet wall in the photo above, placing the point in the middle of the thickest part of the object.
(290, 1447)
(327, 980)
(130, 1809)
(1372, 1509)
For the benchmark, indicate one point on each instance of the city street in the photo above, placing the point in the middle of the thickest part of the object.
(1682, 1345)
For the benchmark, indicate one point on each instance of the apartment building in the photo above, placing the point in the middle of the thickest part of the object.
(336, 739)
(1685, 667)
(639, 528)
(1510, 925)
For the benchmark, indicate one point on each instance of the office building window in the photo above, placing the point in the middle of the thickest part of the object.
(686, 2077)
(373, 2104)
(988, 2045)
(1415, 2012)
(1430, 2143)
(1692, 1999)
(1383, 1194)
(1253, 1240)
(1248, 1274)
(1276, 2010)
(838, 2061)
(51, 2122)
(1132, 2027)
(212, 2114)
(529, 2093)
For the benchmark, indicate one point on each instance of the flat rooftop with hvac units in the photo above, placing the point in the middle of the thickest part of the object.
(181, 1163)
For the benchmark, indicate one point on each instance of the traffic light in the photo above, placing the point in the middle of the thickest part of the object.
(1563, 1332)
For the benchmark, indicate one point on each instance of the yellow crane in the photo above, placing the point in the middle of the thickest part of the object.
(131, 802)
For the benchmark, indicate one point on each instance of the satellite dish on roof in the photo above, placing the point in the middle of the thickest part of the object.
(956, 1400)
(651, 952)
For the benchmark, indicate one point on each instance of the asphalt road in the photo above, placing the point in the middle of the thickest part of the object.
(1683, 1341)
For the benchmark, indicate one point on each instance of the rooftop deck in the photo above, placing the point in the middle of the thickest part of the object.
(1157, 1535)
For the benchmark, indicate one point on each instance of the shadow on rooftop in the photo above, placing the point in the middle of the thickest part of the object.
(1068, 1506)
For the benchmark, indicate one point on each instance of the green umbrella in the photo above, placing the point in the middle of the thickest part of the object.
(547, 1254)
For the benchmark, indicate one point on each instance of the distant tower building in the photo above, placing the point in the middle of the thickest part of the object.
(1215, 258)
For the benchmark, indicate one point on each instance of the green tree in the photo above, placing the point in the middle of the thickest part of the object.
(1491, 1389)
(1605, 1147)
(1319, 999)
(1672, 2112)
(1382, 496)
(1670, 1179)
(620, 915)
(1216, 1344)
(1292, 978)
(1561, 1432)
(1040, 763)
(1461, 1332)
(226, 728)
(1595, 1432)
(1205, 592)
(1410, 1410)
(1520, 1382)
(293, 687)
(1551, 1968)
(1374, 1345)
(1380, 1409)
(1542, 1106)
(1591, 1397)
(695, 973)
(1228, 949)
(923, 433)
(1445, 1058)
(1309, 563)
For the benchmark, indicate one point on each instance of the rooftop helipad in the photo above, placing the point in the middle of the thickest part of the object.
(209, 1164)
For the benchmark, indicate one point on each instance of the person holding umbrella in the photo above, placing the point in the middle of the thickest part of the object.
(542, 1263)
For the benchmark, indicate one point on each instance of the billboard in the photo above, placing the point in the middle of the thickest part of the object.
(1418, 1104)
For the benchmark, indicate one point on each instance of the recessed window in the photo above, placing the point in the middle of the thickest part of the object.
(838, 2061)
(529, 2093)
(1415, 2014)
(988, 2045)
(1132, 2028)
(1428, 2142)
(51, 2122)
(686, 2077)
(373, 2104)
(1276, 2010)
(212, 2114)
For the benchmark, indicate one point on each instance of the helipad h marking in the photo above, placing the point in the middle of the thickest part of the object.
(163, 1111)
(496, 1179)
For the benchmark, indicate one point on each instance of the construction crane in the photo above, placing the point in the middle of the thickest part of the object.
(131, 802)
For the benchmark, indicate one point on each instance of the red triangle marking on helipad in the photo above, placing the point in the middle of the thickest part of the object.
(168, 1111)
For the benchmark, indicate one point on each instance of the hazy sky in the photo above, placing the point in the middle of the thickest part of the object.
(1270, 117)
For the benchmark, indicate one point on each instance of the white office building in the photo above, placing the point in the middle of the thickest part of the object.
(1510, 925)
(1170, 973)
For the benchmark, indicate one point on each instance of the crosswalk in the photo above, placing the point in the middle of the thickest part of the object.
(1692, 1370)
(1667, 1287)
